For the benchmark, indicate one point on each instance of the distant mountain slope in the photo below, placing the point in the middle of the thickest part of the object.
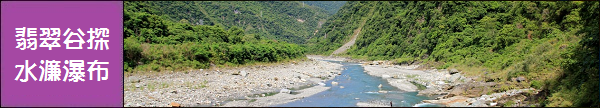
(330, 6)
(282, 20)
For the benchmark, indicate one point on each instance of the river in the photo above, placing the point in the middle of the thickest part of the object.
(358, 86)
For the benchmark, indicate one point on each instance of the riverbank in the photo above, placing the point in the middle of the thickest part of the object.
(253, 84)
(449, 85)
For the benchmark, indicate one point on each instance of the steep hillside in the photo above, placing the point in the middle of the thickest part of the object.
(156, 43)
(280, 20)
(552, 44)
(330, 6)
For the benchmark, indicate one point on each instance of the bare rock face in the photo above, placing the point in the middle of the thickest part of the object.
(457, 90)
(455, 77)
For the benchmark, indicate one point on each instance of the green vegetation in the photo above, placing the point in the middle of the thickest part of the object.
(252, 100)
(509, 103)
(553, 44)
(288, 21)
(419, 86)
(155, 43)
(330, 6)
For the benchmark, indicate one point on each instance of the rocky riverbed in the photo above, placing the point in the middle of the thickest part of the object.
(451, 88)
(218, 87)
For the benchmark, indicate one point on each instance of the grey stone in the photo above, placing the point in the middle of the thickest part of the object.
(453, 71)
(134, 79)
(478, 103)
(334, 83)
(458, 104)
(285, 91)
(493, 104)
(520, 79)
(140, 104)
(454, 77)
(321, 84)
(243, 73)
(385, 76)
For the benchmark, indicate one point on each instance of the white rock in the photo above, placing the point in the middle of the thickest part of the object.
(321, 84)
(334, 83)
(285, 91)
(243, 73)
(385, 76)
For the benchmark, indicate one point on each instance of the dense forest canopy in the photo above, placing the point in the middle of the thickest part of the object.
(554, 44)
(330, 6)
(155, 42)
(289, 21)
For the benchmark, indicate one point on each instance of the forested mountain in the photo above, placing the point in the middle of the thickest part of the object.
(330, 6)
(554, 44)
(289, 21)
(155, 42)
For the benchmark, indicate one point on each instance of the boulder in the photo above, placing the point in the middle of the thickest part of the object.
(334, 83)
(458, 104)
(321, 84)
(454, 77)
(174, 104)
(140, 104)
(478, 103)
(453, 71)
(520, 79)
(243, 73)
(285, 91)
(385, 76)
(134, 79)
(440, 82)
(448, 101)
(396, 76)
(493, 104)
(457, 90)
